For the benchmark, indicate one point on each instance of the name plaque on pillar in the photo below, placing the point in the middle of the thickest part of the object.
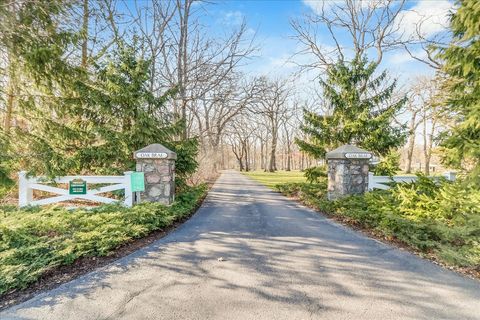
(151, 155)
(358, 155)
(138, 181)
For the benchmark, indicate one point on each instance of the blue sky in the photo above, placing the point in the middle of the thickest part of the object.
(270, 19)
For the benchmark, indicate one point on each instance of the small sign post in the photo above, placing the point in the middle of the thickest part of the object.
(77, 186)
(138, 181)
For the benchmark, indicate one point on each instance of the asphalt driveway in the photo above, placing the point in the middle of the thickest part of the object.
(250, 253)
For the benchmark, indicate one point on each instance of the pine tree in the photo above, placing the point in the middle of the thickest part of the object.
(462, 66)
(73, 120)
(101, 119)
(124, 115)
(5, 180)
(33, 45)
(360, 110)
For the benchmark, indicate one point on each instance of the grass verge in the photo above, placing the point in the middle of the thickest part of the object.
(270, 179)
(35, 241)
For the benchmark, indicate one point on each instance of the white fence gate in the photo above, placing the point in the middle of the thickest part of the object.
(28, 184)
(379, 182)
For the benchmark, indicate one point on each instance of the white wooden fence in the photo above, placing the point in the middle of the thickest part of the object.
(380, 182)
(28, 184)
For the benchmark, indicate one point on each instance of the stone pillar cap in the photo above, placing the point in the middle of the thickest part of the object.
(349, 151)
(155, 151)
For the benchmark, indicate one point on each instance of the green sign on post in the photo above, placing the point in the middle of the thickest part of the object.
(77, 186)
(138, 181)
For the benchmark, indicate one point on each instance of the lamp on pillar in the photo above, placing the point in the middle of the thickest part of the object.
(158, 164)
(347, 171)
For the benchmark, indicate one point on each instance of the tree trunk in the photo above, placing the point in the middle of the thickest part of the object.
(182, 63)
(272, 167)
(85, 35)
(10, 96)
(428, 154)
(289, 157)
(246, 153)
(411, 144)
(254, 159)
(223, 155)
(425, 146)
(265, 168)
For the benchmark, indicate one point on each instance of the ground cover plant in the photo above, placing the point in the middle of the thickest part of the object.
(35, 240)
(440, 220)
(279, 177)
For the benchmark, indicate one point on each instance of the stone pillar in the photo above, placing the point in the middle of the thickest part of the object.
(158, 164)
(347, 171)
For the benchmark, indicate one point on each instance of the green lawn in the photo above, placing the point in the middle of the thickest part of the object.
(35, 240)
(271, 179)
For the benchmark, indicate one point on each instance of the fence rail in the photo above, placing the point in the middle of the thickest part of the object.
(28, 184)
(381, 182)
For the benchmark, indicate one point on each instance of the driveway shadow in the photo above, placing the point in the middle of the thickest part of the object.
(251, 248)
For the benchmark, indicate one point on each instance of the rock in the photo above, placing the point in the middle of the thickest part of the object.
(153, 177)
(166, 191)
(154, 191)
(148, 168)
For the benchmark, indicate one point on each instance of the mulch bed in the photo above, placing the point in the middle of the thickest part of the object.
(62, 274)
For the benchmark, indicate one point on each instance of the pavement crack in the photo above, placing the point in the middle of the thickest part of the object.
(120, 310)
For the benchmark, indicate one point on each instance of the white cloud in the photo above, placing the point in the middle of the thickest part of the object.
(317, 5)
(429, 17)
(402, 56)
(231, 18)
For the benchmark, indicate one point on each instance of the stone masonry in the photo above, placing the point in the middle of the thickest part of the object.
(158, 165)
(347, 171)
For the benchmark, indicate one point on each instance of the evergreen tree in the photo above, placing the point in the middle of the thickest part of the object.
(125, 116)
(70, 120)
(33, 46)
(5, 180)
(389, 165)
(359, 111)
(462, 66)
(103, 118)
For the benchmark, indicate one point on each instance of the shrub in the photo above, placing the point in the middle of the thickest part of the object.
(389, 165)
(440, 218)
(35, 240)
(313, 174)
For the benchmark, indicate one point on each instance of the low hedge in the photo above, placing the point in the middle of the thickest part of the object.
(34, 240)
(442, 219)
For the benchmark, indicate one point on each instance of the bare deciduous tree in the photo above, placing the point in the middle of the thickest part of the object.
(371, 26)
(272, 104)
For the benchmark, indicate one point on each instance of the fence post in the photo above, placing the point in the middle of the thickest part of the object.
(128, 188)
(450, 175)
(371, 183)
(25, 193)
